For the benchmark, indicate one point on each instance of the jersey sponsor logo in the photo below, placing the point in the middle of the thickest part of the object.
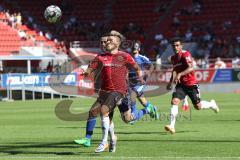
(112, 65)
(178, 64)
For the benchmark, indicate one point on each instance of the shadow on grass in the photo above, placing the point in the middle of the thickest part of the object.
(76, 127)
(38, 152)
(51, 153)
(22, 148)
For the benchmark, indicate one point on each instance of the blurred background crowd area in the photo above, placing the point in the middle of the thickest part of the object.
(209, 28)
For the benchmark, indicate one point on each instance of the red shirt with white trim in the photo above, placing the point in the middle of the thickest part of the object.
(181, 62)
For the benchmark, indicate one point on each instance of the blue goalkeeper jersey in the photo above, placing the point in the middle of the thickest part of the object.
(142, 61)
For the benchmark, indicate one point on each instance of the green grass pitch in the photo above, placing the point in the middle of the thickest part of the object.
(31, 130)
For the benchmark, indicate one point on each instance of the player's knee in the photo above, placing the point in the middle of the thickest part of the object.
(143, 100)
(133, 96)
(197, 106)
(175, 101)
(94, 112)
(127, 117)
(104, 110)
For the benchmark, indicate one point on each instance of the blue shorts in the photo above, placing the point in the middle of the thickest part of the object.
(126, 103)
(138, 89)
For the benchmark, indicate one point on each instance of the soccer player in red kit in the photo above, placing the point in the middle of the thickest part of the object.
(186, 84)
(114, 65)
(92, 121)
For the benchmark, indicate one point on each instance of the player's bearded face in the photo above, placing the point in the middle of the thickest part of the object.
(112, 43)
(103, 43)
(177, 47)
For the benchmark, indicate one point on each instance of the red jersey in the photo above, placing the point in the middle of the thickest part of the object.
(114, 70)
(181, 62)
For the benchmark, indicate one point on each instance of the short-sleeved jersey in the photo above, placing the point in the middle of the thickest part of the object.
(114, 70)
(181, 62)
(142, 61)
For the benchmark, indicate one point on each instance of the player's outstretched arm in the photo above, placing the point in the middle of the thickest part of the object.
(139, 73)
(132, 64)
(87, 72)
(149, 64)
(173, 75)
(92, 66)
(151, 69)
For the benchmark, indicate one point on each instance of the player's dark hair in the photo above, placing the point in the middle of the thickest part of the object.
(136, 42)
(176, 39)
(104, 35)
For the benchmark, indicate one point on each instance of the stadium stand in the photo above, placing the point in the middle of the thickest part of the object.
(210, 28)
(210, 11)
(86, 20)
(9, 39)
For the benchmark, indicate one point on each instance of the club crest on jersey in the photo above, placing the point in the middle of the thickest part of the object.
(120, 58)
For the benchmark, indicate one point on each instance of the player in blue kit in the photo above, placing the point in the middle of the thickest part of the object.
(135, 85)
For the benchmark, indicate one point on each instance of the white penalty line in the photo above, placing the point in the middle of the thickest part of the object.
(112, 157)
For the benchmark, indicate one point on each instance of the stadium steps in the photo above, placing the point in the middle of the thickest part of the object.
(9, 40)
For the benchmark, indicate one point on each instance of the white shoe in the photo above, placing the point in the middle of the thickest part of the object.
(168, 128)
(101, 147)
(113, 144)
(215, 107)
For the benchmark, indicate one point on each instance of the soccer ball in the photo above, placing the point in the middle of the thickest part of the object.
(52, 14)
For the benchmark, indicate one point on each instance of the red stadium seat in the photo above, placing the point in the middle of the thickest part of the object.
(10, 41)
